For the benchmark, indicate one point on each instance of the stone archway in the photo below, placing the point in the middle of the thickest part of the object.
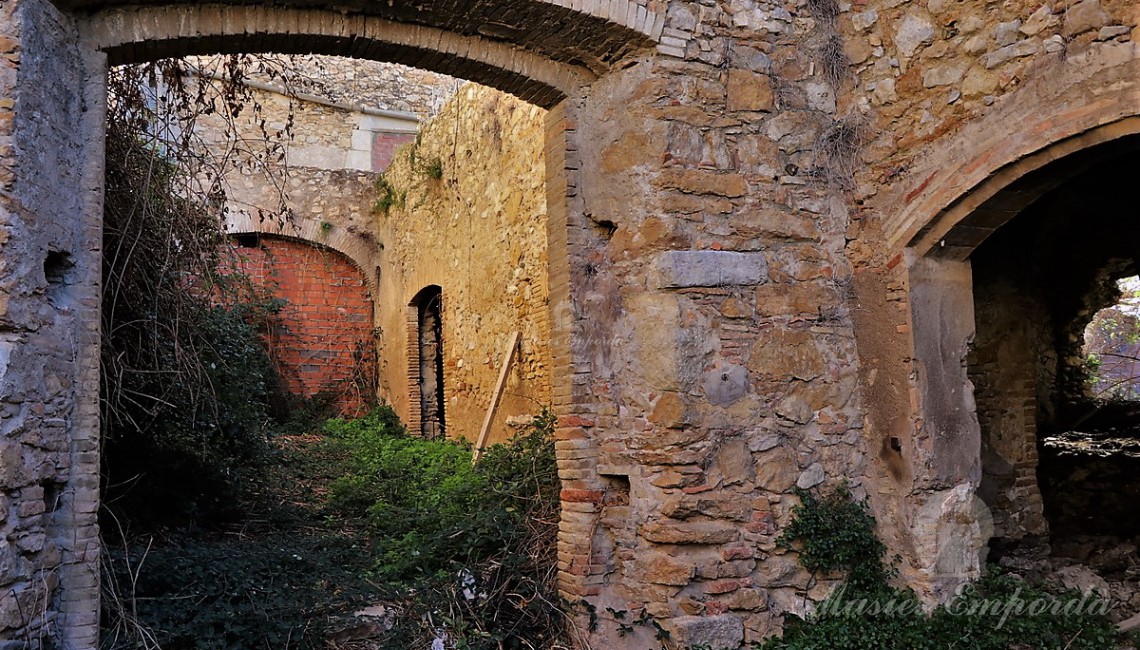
(956, 192)
(543, 52)
(1037, 282)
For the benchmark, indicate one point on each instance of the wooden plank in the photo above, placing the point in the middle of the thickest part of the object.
(512, 347)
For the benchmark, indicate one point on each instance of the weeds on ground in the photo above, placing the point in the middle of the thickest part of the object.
(466, 552)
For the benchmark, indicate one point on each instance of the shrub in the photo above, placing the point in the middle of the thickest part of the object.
(416, 493)
(835, 534)
(185, 375)
(181, 458)
(469, 550)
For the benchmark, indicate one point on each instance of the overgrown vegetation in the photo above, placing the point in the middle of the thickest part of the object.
(832, 57)
(285, 576)
(186, 380)
(465, 552)
(188, 388)
(835, 536)
(387, 196)
(364, 516)
(837, 150)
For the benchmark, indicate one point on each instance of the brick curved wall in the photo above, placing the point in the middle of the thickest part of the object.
(322, 338)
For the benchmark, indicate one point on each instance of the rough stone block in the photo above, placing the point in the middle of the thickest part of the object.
(665, 569)
(717, 632)
(683, 269)
(724, 386)
(749, 91)
(912, 32)
(1027, 47)
(695, 532)
(1083, 17)
(811, 477)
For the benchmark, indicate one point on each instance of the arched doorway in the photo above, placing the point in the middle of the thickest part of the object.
(543, 52)
(1056, 443)
(1002, 285)
(425, 358)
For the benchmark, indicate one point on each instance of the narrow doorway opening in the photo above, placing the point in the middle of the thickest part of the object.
(430, 347)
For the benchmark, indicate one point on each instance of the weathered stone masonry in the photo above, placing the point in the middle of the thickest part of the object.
(729, 316)
(49, 207)
(479, 234)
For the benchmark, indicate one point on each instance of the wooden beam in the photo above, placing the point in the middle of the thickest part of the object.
(508, 359)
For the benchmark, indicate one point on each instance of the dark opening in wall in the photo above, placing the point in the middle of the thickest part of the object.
(248, 240)
(1112, 347)
(617, 489)
(53, 494)
(1055, 294)
(56, 266)
(429, 361)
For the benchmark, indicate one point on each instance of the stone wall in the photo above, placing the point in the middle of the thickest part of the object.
(715, 329)
(479, 232)
(732, 313)
(923, 71)
(325, 192)
(321, 339)
(1005, 363)
(314, 133)
(49, 329)
(319, 254)
(358, 84)
(371, 84)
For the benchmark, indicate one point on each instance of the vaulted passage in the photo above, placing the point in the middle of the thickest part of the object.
(1050, 364)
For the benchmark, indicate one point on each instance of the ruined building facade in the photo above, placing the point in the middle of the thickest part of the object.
(773, 233)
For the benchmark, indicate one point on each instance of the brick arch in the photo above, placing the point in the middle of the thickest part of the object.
(1069, 105)
(322, 340)
(542, 57)
(359, 249)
